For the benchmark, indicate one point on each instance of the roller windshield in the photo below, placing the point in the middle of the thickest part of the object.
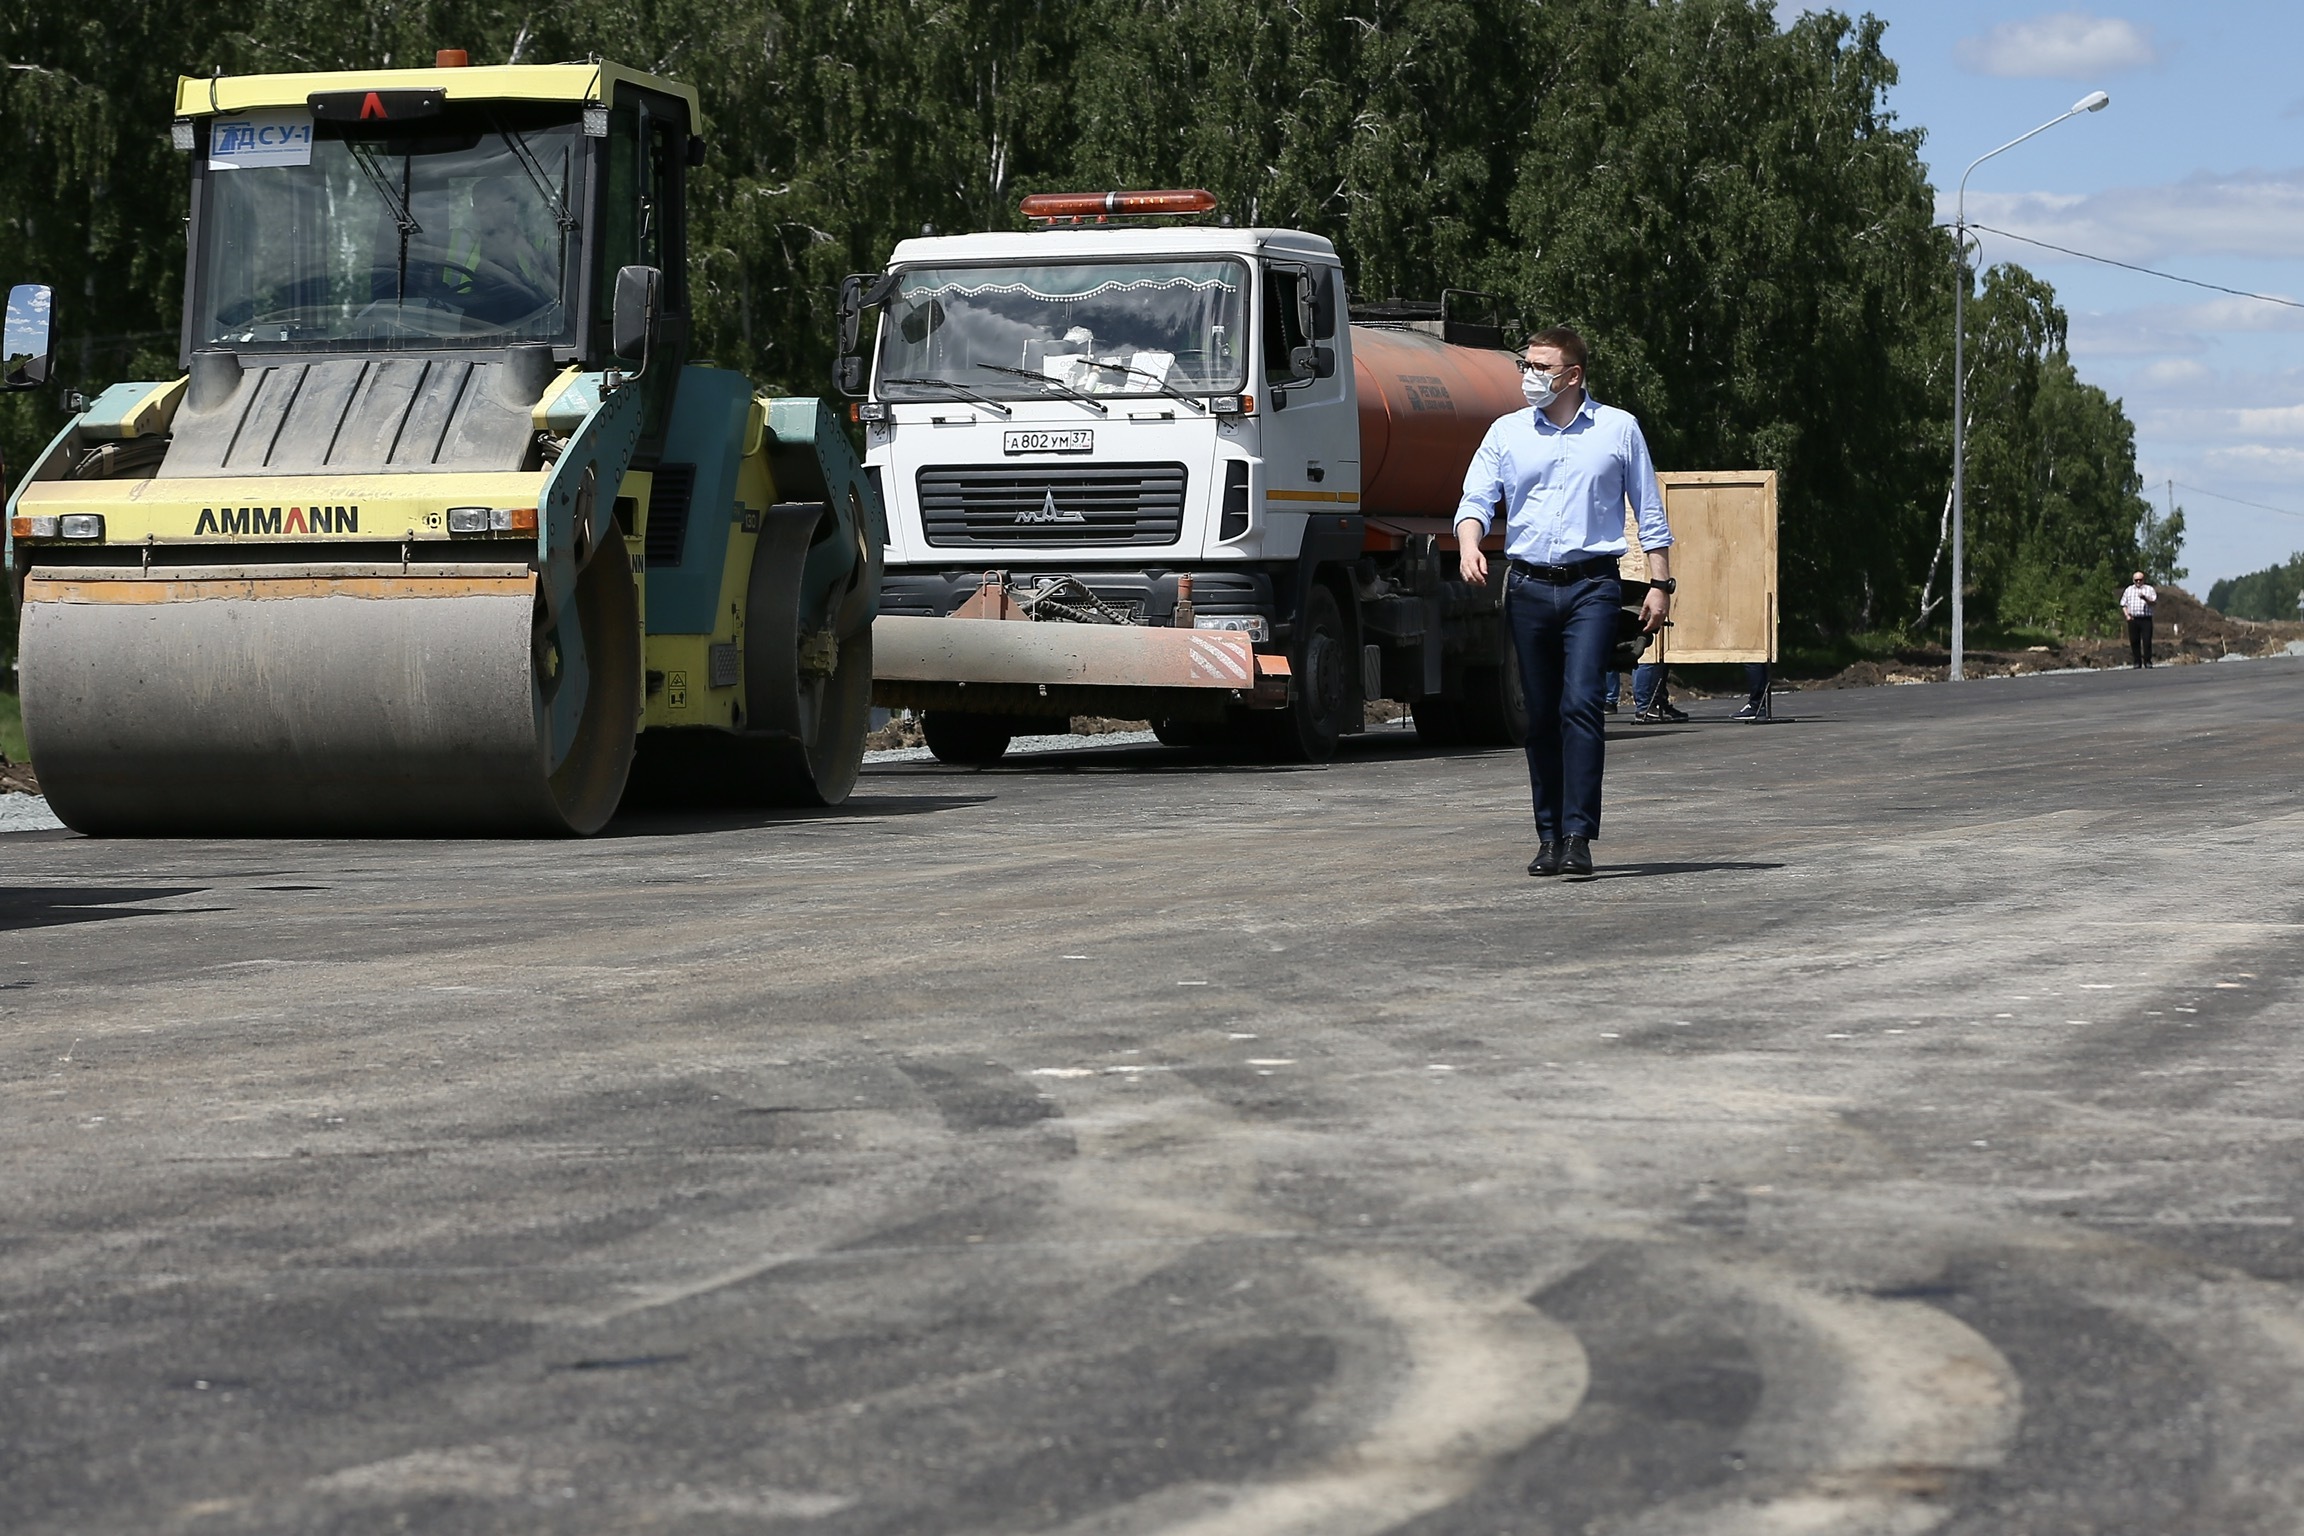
(460, 230)
(1099, 328)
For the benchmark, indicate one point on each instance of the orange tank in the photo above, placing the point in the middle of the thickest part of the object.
(1424, 406)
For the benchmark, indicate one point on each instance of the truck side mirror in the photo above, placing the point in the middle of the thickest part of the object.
(851, 312)
(1324, 308)
(859, 291)
(635, 321)
(1307, 363)
(28, 347)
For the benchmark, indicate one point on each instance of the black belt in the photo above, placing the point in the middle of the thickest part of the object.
(1561, 575)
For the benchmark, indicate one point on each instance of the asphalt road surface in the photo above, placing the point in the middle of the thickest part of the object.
(1900, 1136)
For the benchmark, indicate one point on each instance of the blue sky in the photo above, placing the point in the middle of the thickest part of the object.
(2196, 168)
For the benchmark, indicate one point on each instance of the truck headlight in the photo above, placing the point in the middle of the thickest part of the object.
(80, 525)
(1254, 625)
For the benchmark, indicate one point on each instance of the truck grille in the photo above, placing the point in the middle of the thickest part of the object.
(1053, 504)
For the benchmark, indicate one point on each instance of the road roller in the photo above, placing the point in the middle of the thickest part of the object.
(439, 530)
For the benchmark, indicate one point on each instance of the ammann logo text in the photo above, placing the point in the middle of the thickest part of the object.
(275, 520)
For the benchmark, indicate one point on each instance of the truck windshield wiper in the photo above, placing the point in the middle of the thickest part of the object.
(1159, 382)
(1058, 385)
(957, 388)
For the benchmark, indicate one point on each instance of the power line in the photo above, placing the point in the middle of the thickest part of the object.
(2129, 266)
(2241, 500)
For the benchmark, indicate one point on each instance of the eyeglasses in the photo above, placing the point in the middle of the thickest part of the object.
(1529, 367)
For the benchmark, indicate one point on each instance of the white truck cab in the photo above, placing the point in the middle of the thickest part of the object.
(1115, 425)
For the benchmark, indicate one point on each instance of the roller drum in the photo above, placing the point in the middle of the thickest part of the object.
(376, 706)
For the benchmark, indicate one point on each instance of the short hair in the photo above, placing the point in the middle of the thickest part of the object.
(1570, 345)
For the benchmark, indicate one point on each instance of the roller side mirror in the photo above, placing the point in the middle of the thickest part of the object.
(28, 346)
(633, 329)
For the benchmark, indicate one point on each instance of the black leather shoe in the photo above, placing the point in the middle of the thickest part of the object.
(1576, 858)
(1547, 860)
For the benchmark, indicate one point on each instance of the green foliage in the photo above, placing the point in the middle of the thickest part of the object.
(1729, 214)
(2271, 593)
(2056, 517)
(2160, 543)
(1725, 206)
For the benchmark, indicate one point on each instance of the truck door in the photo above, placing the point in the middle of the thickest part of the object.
(1310, 428)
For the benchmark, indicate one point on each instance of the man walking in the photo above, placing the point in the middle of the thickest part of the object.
(1564, 469)
(2136, 602)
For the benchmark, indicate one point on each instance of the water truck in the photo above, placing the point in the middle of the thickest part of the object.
(1162, 470)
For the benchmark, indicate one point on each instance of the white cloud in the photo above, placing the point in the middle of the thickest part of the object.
(2174, 373)
(2275, 421)
(2230, 315)
(2259, 462)
(2133, 333)
(2256, 214)
(2070, 45)
(2170, 331)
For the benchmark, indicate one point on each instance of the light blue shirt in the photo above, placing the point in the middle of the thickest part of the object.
(1564, 488)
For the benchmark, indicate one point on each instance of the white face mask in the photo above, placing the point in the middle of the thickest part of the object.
(1540, 389)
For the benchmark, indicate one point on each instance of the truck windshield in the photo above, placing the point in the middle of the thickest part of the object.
(452, 231)
(1098, 328)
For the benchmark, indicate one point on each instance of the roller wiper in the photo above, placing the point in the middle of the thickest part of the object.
(1159, 382)
(396, 199)
(536, 176)
(1058, 385)
(958, 389)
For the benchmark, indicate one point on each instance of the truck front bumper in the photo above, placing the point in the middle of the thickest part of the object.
(991, 666)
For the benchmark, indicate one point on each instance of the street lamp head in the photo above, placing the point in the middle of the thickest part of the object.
(2094, 101)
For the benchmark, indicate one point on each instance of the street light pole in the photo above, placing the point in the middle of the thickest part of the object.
(2094, 101)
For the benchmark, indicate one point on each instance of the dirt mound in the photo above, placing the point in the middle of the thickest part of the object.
(904, 731)
(2185, 631)
(17, 779)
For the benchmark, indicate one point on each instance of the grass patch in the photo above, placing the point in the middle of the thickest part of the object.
(12, 730)
(1823, 658)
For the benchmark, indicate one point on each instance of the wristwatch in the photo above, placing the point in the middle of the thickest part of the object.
(1669, 586)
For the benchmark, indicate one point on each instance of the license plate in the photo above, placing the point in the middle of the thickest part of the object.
(1079, 440)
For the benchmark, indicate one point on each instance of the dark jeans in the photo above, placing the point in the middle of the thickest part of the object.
(1562, 635)
(1647, 685)
(2140, 641)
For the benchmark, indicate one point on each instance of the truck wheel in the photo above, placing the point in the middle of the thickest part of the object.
(1306, 730)
(1439, 721)
(965, 740)
(1199, 735)
(1495, 708)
